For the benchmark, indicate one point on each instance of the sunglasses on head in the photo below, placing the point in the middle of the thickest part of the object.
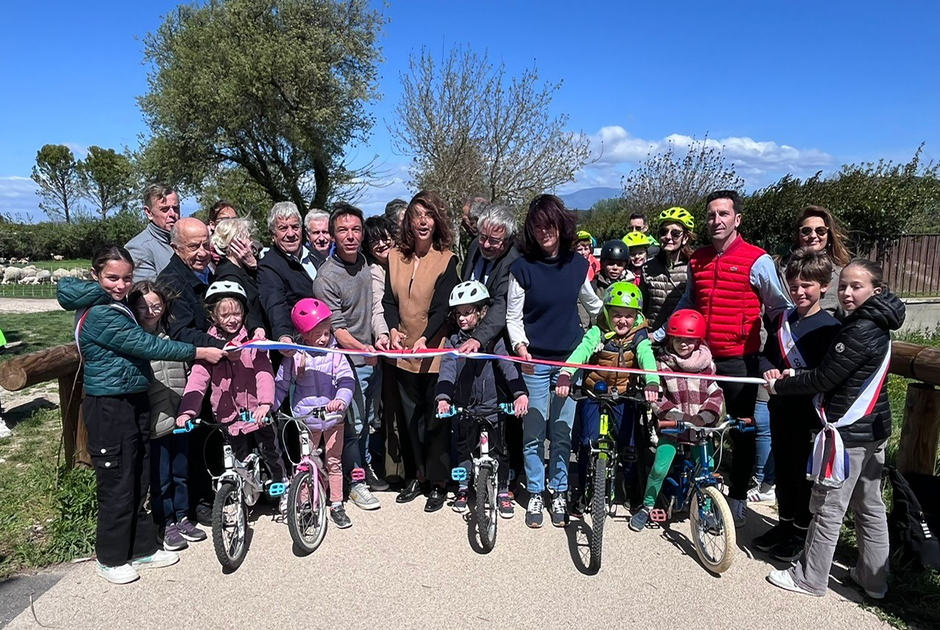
(671, 232)
(821, 230)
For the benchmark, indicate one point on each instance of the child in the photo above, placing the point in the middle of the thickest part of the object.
(613, 265)
(475, 385)
(116, 353)
(849, 452)
(242, 387)
(584, 244)
(620, 339)
(314, 380)
(169, 461)
(697, 401)
(798, 339)
(639, 244)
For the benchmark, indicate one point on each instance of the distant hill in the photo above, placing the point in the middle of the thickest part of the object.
(586, 197)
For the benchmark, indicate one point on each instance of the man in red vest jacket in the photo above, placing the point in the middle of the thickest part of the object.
(730, 282)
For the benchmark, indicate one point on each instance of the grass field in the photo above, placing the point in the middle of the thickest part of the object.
(46, 290)
(38, 330)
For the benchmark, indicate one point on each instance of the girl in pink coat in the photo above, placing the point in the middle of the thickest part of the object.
(314, 380)
(242, 385)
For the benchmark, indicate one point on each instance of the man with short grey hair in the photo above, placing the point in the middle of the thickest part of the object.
(473, 207)
(151, 248)
(319, 239)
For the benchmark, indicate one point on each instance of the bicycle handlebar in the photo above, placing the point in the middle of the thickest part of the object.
(677, 426)
(579, 392)
(192, 424)
(506, 408)
(318, 412)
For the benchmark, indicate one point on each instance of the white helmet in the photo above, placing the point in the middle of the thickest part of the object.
(469, 292)
(222, 289)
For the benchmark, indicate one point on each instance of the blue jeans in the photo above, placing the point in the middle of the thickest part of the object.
(360, 417)
(622, 425)
(551, 415)
(764, 465)
(169, 478)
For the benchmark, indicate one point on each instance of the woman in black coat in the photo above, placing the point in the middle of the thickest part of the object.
(232, 241)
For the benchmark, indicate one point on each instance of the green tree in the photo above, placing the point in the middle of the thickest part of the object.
(249, 199)
(607, 219)
(277, 88)
(107, 179)
(56, 173)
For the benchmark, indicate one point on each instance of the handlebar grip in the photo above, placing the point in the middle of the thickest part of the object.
(669, 424)
(449, 414)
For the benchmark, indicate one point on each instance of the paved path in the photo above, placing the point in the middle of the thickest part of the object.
(400, 568)
(28, 305)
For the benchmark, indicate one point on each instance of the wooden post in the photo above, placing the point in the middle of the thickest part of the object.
(920, 433)
(74, 435)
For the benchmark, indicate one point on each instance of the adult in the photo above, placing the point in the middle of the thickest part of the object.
(667, 271)
(422, 271)
(730, 281)
(151, 249)
(488, 259)
(285, 273)
(817, 229)
(319, 239)
(394, 211)
(376, 244)
(344, 284)
(231, 240)
(220, 211)
(545, 286)
(470, 214)
(638, 223)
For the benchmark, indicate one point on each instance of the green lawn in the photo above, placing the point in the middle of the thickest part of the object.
(38, 330)
(46, 290)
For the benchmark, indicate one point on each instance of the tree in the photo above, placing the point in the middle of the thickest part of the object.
(56, 173)
(607, 219)
(249, 199)
(471, 129)
(107, 179)
(277, 88)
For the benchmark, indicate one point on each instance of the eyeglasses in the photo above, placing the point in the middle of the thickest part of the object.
(144, 307)
(821, 230)
(495, 242)
(674, 234)
(636, 228)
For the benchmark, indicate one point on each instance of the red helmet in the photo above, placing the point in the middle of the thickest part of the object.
(686, 323)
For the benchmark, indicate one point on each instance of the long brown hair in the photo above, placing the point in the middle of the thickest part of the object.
(836, 244)
(430, 202)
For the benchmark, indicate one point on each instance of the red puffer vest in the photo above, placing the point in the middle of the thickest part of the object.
(724, 295)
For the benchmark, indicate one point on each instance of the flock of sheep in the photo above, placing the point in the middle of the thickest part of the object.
(32, 275)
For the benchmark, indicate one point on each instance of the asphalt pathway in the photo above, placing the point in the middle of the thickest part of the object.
(400, 568)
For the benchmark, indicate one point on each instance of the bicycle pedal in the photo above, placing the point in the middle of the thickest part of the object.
(277, 489)
(657, 515)
(357, 475)
(458, 474)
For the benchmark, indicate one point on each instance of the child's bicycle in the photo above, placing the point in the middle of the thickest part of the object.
(692, 482)
(485, 468)
(239, 486)
(600, 482)
(306, 500)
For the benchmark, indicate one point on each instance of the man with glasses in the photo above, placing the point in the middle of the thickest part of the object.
(638, 224)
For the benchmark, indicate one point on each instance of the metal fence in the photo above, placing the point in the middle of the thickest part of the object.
(912, 266)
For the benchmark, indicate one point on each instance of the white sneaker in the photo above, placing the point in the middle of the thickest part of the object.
(765, 493)
(853, 573)
(784, 580)
(159, 559)
(738, 511)
(5, 431)
(123, 574)
(360, 495)
(282, 505)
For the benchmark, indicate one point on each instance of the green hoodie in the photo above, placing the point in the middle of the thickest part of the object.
(116, 350)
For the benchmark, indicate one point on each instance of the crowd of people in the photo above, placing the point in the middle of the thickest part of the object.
(157, 325)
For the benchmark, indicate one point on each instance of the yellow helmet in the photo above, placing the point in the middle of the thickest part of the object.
(679, 215)
(637, 239)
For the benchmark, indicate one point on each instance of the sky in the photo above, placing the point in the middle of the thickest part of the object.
(784, 86)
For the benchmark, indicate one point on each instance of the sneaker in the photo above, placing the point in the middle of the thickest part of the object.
(189, 531)
(504, 505)
(282, 506)
(738, 511)
(640, 520)
(204, 514)
(340, 519)
(360, 495)
(853, 574)
(578, 506)
(784, 580)
(777, 534)
(373, 480)
(765, 493)
(460, 503)
(123, 574)
(172, 538)
(559, 509)
(533, 513)
(790, 549)
(5, 431)
(156, 560)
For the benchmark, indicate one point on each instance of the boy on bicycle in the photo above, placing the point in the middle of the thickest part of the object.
(476, 385)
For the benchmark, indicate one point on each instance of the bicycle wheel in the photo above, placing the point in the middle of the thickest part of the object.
(306, 518)
(712, 529)
(229, 526)
(485, 508)
(598, 511)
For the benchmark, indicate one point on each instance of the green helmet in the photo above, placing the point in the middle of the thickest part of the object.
(583, 235)
(679, 215)
(637, 239)
(624, 294)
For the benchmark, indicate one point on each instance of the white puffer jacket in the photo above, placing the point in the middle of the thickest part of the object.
(166, 392)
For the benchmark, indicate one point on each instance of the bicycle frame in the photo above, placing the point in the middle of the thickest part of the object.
(483, 447)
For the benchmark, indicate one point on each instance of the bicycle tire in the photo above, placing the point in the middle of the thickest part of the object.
(485, 508)
(306, 522)
(721, 528)
(228, 538)
(598, 511)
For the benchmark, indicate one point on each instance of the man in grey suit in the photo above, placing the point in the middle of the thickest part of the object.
(151, 248)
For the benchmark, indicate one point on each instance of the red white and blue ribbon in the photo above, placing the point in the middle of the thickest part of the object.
(430, 353)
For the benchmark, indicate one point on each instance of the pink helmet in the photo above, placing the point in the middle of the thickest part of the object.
(307, 313)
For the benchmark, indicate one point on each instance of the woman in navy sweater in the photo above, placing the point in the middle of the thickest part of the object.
(545, 287)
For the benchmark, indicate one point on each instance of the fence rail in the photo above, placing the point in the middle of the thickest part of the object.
(912, 265)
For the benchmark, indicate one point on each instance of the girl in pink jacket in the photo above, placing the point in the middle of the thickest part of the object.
(242, 385)
(315, 380)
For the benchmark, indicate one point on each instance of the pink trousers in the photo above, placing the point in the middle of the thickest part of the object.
(333, 438)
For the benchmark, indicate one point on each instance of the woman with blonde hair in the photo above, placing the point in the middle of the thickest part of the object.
(232, 241)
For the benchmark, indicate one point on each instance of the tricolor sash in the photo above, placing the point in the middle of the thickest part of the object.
(788, 348)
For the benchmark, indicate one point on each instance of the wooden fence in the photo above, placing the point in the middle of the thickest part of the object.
(912, 265)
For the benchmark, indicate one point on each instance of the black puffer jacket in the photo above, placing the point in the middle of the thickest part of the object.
(855, 355)
(478, 385)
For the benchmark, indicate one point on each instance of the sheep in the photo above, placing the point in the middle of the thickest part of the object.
(44, 275)
(58, 257)
(29, 280)
(60, 273)
(11, 275)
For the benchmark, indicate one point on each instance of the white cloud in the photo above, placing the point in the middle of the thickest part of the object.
(18, 198)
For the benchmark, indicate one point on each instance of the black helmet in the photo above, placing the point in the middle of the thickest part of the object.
(615, 250)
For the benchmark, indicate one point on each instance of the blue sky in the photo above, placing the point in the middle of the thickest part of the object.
(785, 86)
